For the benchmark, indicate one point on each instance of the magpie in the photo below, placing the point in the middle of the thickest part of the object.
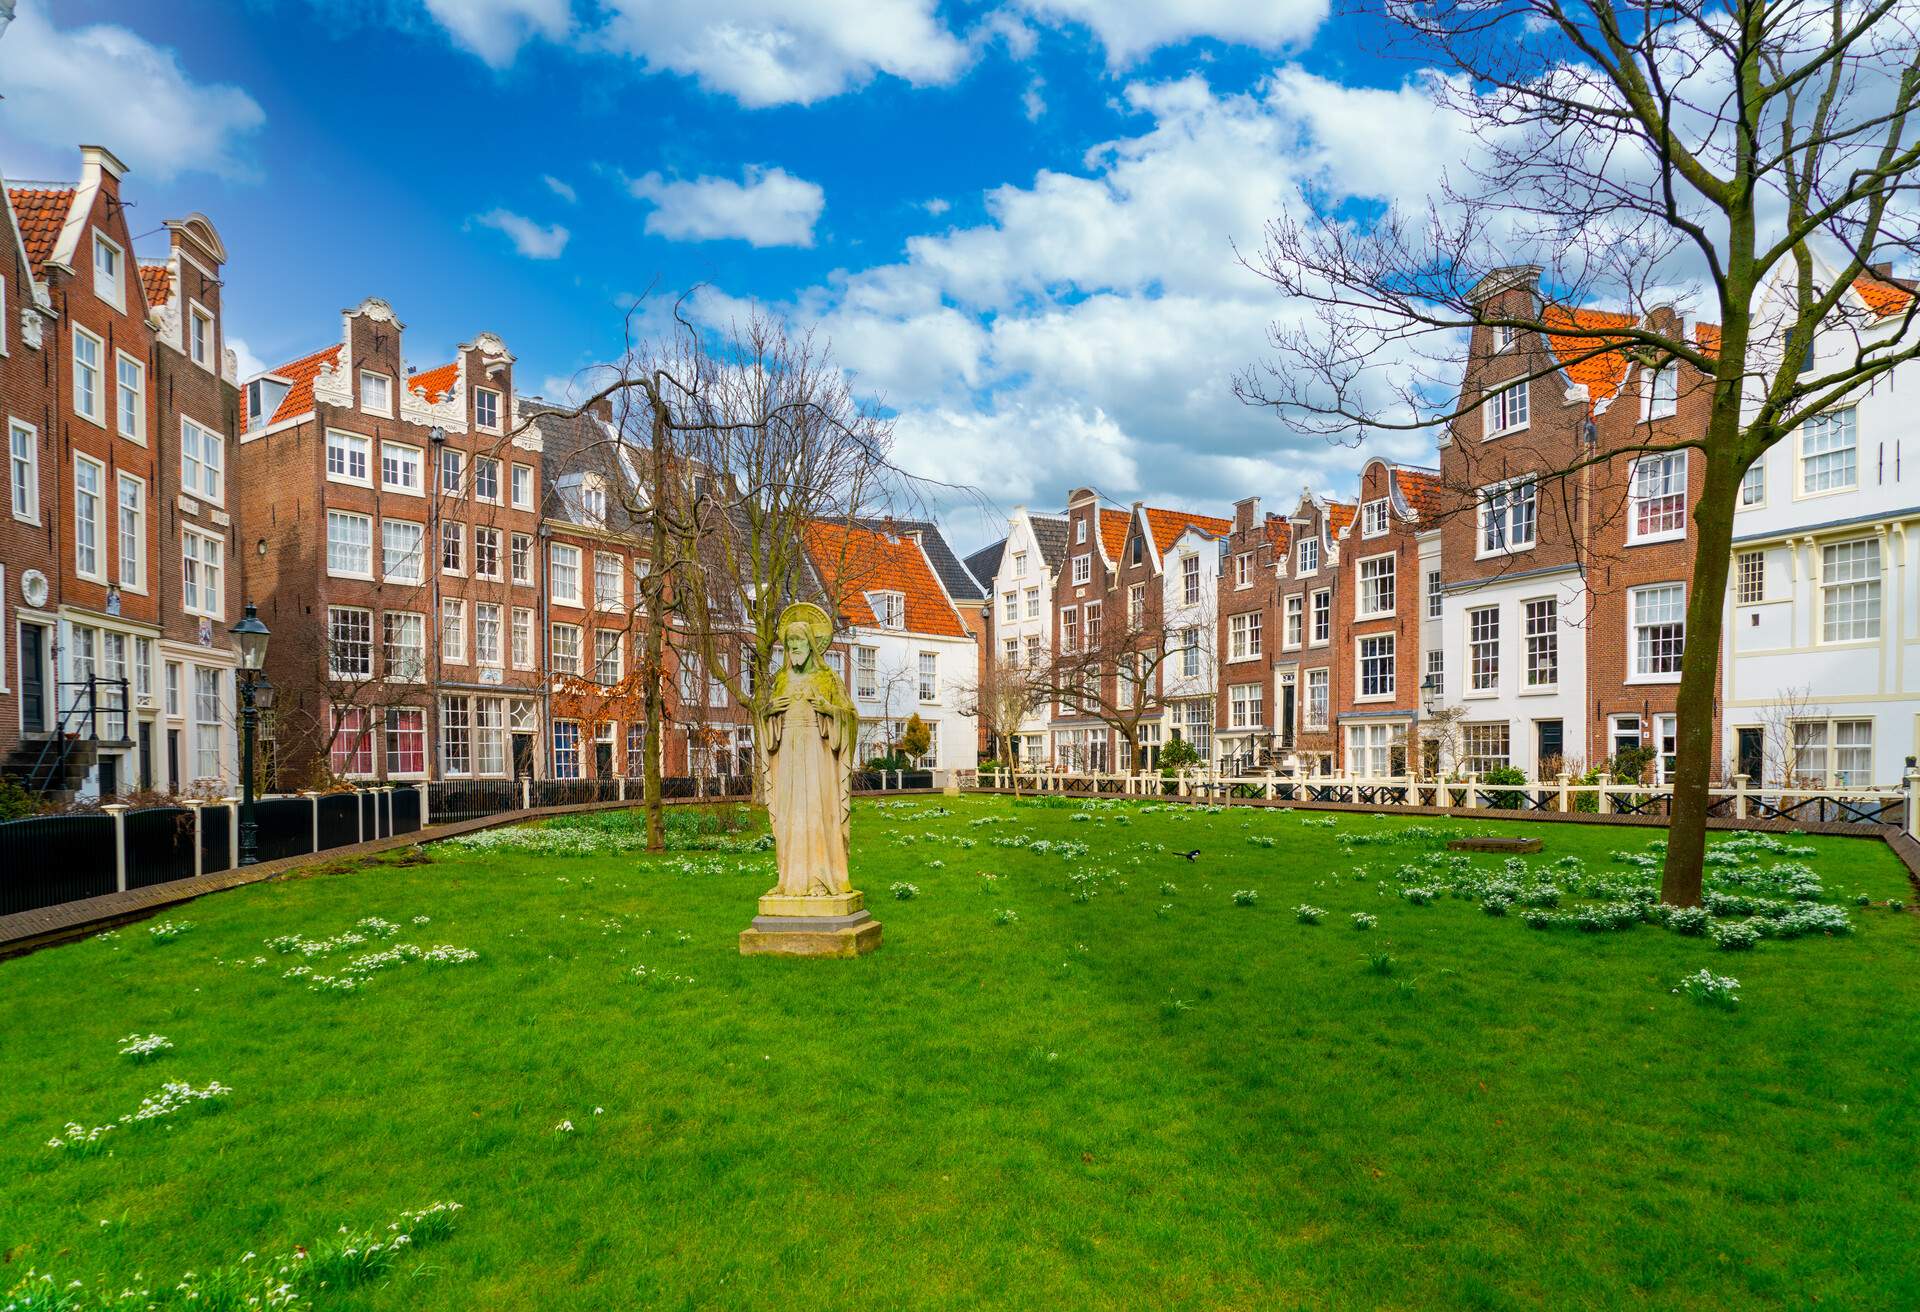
(1191, 855)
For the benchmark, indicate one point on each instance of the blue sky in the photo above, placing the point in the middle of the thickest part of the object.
(1014, 220)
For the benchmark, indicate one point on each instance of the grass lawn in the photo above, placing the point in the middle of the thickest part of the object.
(1064, 1086)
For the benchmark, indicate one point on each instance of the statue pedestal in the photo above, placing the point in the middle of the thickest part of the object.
(825, 925)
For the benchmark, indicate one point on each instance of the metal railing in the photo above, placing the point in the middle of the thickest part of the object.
(83, 711)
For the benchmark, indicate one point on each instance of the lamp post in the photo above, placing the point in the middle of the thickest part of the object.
(256, 695)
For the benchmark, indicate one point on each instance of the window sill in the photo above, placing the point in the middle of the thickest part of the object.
(1505, 432)
(1651, 679)
(1547, 690)
(344, 481)
(1504, 553)
(1377, 615)
(1652, 539)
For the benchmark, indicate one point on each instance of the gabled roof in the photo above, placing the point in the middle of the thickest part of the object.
(1050, 533)
(1167, 525)
(1339, 515)
(1601, 374)
(984, 564)
(158, 281)
(960, 582)
(40, 212)
(300, 374)
(435, 383)
(1419, 488)
(1113, 531)
(1279, 533)
(1884, 296)
(853, 561)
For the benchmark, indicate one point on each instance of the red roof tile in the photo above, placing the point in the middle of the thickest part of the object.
(874, 562)
(158, 282)
(1600, 374)
(1707, 335)
(301, 373)
(434, 384)
(41, 213)
(1882, 297)
(1168, 525)
(1339, 515)
(1113, 531)
(1419, 489)
(1279, 534)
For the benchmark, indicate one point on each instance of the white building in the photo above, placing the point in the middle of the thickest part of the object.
(1190, 575)
(1022, 597)
(1821, 662)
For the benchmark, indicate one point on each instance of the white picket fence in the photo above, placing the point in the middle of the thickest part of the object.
(1897, 807)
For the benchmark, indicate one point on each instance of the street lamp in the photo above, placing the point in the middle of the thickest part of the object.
(256, 695)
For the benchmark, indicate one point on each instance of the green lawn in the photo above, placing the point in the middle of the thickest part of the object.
(1142, 1099)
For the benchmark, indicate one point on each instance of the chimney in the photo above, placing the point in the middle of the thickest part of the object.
(97, 164)
(1882, 270)
(1507, 278)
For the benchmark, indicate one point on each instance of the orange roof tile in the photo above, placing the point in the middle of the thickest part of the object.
(1882, 297)
(158, 282)
(1339, 515)
(434, 384)
(874, 562)
(1279, 533)
(41, 213)
(1170, 524)
(1418, 488)
(1601, 374)
(1708, 337)
(1113, 531)
(301, 373)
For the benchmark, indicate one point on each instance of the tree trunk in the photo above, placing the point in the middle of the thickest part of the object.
(652, 661)
(1700, 679)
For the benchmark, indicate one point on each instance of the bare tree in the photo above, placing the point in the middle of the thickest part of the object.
(1751, 159)
(1001, 698)
(1115, 675)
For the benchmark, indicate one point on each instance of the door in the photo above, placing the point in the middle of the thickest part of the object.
(1286, 710)
(523, 756)
(1752, 750)
(602, 759)
(1550, 744)
(145, 751)
(33, 677)
(109, 771)
(173, 759)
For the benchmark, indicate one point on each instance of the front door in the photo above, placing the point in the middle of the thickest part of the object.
(173, 759)
(602, 760)
(145, 750)
(1752, 751)
(523, 756)
(33, 677)
(1550, 740)
(1286, 710)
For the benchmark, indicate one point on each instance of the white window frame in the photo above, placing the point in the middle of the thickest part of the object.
(97, 539)
(1502, 496)
(453, 630)
(205, 450)
(200, 336)
(1319, 688)
(1661, 396)
(1364, 606)
(1540, 645)
(339, 672)
(569, 597)
(498, 403)
(1641, 479)
(365, 376)
(1360, 658)
(132, 575)
(1309, 556)
(1374, 519)
(452, 461)
(207, 564)
(1841, 415)
(1505, 410)
(488, 534)
(1638, 670)
(1244, 637)
(499, 494)
(1083, 568)
(1483, 679)
(115, 293)
(404, 661)
(343, 517)
(408, 456)
(418, 574)
(23, 471)
(138, 431)
(349, 444)
(1320, 617)
(521, 637)
(1865, 594)
(1753, 481)
(453, 533)
(1436, 594)
(514, 487)
(1293, 622)
(96, 412)
(1750, 585)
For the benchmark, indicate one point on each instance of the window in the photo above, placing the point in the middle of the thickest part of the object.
(1069, 629)
(453, 547)
(203, 462)
(133, 533)
(349, 642)
(486, 553)
(1377, 751)
(1508, 517)
(486, 634)
(453, 471)
(1317, 689)
(1033, 650)
(1657, 503)
(406, 740)
(400, 469)
(1309, 555)
(1010, 606)
(453, 630)
(636, 750)
(200, 336)
(929, 676)
(566, 749)
(1033, 603)
(1136, 604)
(1079, 532)
(889, 609)
(486, 479)
(349, 545)
(376, 393)
(523, 487)
(1322, 617)
(1373, 518)
(404, 638)
(351, 751)
(1504, 335)
(1011, 652)
(88, 352)
(1435, 684)
(1626, 733)
(1504, 411)
(564, 565)
(1083, 568)
(347, 456)
(130, 396)
(1483, 648)
(401, 544)
(1377, 586)
(1295, 622)
(1663, 392)
(865, 684)
(522, 637)
(1850, 591)
(489, 716)
(143, 669)
(1833, 753)
(1753, 485)
(1136, 550)
(1378, 672)
(456, 735)
(3, 317)
(607, 656)
(1243, 637)
(201, 570)
(1091, 616)
(1543, 643)
(1246, 705)
(1666, 743)
(1659, 630)
(206, 722)
(1436, 595)
(1750, 569)
(1486, 747)
(1827, 452)
(1190, 579)
(566, 648)
(521, 546)
(1190, 653)
(1242, 574)
(23, 470)
(109, 272)
(486, 409)
(89, 480)
(609, 581)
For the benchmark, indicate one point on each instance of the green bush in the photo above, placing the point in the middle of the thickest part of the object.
(1504, 801)
(16, 803)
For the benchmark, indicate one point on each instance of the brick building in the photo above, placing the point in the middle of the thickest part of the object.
(1381, 607)
(1257, 549)
(1311, 669)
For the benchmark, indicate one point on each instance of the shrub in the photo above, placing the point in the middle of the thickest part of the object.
(904, 891)
(1691, 921)
(1361, 920)
(1496, 904)
(1739, 936)
(1504, 801)
(1533, 918)
(916, 740)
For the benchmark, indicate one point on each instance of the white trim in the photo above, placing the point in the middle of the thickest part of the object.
(196, 312)
(122, 477)
(140, 412)
(96, 417)
(99, 571)
(119, 298)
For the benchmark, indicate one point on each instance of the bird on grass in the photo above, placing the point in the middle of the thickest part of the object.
(1191, 856)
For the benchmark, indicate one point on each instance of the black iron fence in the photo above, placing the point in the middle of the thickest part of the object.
(51, 859)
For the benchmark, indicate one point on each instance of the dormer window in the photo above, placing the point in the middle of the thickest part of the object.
(1663, 392)
(486, 409)
(1373, 519)
(889, 609)
(264, 396)
(1135, 552)
(376, 393)
(109, 272)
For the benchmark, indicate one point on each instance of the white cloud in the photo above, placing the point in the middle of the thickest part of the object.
(246, 363)
(1128, 31)
(936, 206)
(769, 207)
(105, 83)
(564, 190)
(529, 238)
(496, 29)
(1033, 102)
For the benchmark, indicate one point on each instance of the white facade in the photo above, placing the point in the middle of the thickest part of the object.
(1190, 578)
(1513, 706)
(1023, 620)
(1821, 659)
(897, 673)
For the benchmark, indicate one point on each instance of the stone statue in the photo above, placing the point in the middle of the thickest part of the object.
(812, 731)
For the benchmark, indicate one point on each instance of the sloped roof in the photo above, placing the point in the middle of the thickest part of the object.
(40, 212)
(960, 581)
(1882, 295)
(1279, 533)
(984, 564)
(1113, 531)
(435, 383)
(1050, 532)
(1419, 488)
(300, 375)
(1707, 335)
(158, 282)
(1601, 374)
(875, 562)
(1339, 515)
(1168, 525)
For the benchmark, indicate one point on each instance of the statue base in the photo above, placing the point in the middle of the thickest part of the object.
(824, 925)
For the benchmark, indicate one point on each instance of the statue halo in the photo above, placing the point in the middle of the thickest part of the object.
(818, 625)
